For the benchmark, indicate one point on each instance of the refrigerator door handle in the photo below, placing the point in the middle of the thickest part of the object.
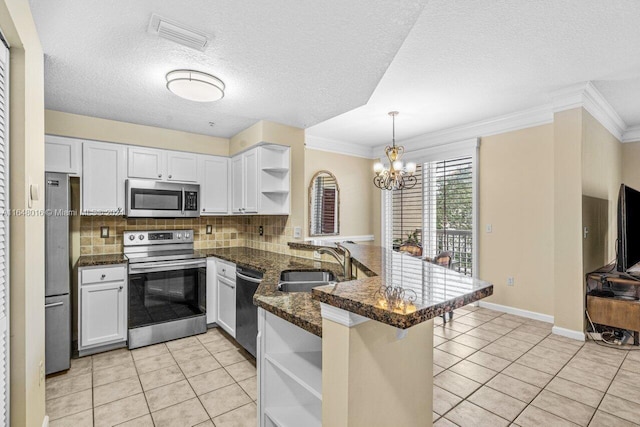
(55, 304)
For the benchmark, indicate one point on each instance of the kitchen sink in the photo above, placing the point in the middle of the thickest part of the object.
(304, 281)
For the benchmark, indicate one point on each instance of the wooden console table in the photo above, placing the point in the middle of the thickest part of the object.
(615, 312)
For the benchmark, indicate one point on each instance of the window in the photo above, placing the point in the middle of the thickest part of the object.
(439, 213)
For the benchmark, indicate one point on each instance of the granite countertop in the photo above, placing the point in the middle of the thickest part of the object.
(107, 259)
(433, 289)
(296, 307)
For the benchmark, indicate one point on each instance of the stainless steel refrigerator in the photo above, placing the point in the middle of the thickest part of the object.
(57, 301)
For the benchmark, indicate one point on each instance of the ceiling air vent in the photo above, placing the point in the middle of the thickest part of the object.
(178, 33)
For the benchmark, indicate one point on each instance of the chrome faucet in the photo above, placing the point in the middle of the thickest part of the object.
(344, 260)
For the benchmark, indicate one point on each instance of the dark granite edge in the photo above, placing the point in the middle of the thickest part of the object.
(402, 321)
(97, 260)
(298, 321)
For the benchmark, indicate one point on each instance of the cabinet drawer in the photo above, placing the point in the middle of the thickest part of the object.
(227, 269)
(100, 275)
(614, 312)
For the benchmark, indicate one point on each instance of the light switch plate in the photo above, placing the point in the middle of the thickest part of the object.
(297, 232)
(104, 232)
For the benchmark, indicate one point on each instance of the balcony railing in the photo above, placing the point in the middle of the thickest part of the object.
(460, 242)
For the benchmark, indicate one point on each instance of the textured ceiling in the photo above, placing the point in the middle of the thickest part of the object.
(467, 61)
(296, 62)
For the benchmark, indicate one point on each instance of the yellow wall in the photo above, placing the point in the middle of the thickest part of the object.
(602, 172)
(354, 175)
(77, 126)
(630, 162)
(26, 112)
(516, 198)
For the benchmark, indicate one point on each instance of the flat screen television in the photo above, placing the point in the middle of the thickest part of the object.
(628, 228)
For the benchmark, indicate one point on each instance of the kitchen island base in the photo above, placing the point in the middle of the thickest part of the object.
(358, 374)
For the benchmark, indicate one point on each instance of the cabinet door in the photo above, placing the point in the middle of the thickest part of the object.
(103, 314)
(146, 163)
(212, 291)
(62, 155)
(103, 177)
(237, 178)
(227, 305)
(182, 166)
(214, 185)
(251, 181)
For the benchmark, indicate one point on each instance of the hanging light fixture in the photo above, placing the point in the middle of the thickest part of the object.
(396, 175)
(195, 85)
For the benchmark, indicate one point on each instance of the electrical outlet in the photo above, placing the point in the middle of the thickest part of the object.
(104, 232)
(41, 368)
(509, 281)
(261, 230)
(317, 255)
(489, 228)
(297, 232)
(209, 229)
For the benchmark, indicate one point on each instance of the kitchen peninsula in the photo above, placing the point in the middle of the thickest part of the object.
(322, 361)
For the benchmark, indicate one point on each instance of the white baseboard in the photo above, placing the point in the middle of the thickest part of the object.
(45, 422)
(576, 335)
(517, 311)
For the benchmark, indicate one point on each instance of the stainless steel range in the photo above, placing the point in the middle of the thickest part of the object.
(167, 286)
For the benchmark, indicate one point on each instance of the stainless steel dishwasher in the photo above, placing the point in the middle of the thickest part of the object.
(247, 282)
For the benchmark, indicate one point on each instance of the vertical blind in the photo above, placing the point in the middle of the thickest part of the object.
(436, 214)
(4, 241)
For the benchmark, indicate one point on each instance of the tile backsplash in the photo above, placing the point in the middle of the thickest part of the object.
(228, 231)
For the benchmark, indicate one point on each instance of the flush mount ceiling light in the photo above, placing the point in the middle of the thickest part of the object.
(396, 175)
(195, 85)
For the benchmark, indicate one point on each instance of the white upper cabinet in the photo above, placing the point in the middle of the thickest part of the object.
(146, 163)
(103, 177)
(214, 184)
(182, 166)
(245, 182)
(151, 163)
(63, 155)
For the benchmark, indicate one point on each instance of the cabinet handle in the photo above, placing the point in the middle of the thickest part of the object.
(103, 276)
(169, 176)
(203, 209)
(121, 286)
(159, 175)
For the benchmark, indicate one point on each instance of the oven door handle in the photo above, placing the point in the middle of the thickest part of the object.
(156, 266)
(247, 278)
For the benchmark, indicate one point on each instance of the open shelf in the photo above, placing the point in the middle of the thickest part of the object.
(276, 170)
(275, 191)
(293, 416)
(305, 368)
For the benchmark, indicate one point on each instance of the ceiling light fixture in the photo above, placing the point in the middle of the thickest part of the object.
(195, 85)
(396, 176)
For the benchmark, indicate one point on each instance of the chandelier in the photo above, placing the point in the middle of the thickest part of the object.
(396, 175)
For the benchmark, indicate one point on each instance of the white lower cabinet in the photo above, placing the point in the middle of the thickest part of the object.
(289, 361)
(102, 306)
(226, 296)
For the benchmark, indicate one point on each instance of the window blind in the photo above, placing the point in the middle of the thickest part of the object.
(406, 209)
(324, 218)
(448, 210)
(4, 240)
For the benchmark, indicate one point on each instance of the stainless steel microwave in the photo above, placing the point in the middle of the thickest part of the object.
(155, 199)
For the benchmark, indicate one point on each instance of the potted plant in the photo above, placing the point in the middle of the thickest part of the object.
(411, 244)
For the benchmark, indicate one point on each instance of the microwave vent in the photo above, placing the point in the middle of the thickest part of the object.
(178, 33)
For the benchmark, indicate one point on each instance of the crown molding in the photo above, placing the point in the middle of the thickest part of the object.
(631, 134)
(587, 96)
(335, 146)
(501, 124)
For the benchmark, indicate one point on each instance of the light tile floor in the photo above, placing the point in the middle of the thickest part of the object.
(490, 369)
(495, 369)
(203, 381)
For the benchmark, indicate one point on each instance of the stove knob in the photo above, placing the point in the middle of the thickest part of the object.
(132, 237)
(187, 235)
(141, 237)
(179, 235)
